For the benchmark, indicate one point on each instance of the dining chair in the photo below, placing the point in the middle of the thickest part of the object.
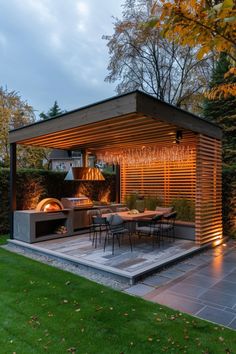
(99, 226)
(106, 211)
(151, 228)
(122, 209)
(91, 214)
(116, 230)
(168, 225)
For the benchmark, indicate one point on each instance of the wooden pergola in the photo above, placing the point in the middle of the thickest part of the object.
(137, 120)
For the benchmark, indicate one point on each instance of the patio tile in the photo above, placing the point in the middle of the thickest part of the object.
(219, 298)
(139, 289)
(233, 324)
(172, 273)
(219, 268)
(178, 302)
(226, 287)
(215, 315)
(187, 290)
(185, 267)
(156, 280)
(231, 277)
(200, 280)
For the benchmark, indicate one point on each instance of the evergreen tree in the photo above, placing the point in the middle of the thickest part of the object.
(223, 110)
(55, 110)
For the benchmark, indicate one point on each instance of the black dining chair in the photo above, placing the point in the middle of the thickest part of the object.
(91, 213)
(116, 230)
(168, 225)
(99, 227)
(150, 227)
(118, 209)
(106, 211)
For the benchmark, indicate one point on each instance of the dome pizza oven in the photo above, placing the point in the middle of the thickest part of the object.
(49, 205)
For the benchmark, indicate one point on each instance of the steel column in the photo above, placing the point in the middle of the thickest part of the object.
(12, 186)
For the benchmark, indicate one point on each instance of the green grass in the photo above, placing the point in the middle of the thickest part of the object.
(47, 310)
(3, 239)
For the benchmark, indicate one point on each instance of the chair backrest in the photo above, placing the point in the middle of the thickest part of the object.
(122, 209)
(170, 218)
(164, 210)
(115, 222)
(100, 220)
(106, 211)
(92, 213)
(156, 218)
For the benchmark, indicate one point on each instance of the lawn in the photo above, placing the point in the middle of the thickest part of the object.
(47, 310)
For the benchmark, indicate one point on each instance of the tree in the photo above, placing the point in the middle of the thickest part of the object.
(53, 111)
(15, 113)
(223, 111)
(209, 25)
(140, 58)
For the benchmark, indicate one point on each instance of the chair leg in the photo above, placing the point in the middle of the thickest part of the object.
(130, 241)
(105, 241)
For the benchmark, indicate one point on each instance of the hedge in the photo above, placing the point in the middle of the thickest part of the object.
(229, 200)
(34, 185)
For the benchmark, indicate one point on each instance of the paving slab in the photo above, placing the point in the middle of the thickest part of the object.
(178, 302)
(156, 280)
(139, 290)
(189, 290)
(219, 298)
(215, 315)
(208, 290)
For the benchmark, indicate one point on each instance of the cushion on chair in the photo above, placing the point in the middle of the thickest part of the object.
(164, 210)
(115, 220)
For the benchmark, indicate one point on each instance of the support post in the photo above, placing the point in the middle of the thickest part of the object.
(117, 183)
(84, 157)
(12, 186)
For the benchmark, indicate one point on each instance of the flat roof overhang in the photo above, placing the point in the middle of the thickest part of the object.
(131, 119)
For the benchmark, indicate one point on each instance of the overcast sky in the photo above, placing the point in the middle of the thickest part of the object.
(52, 50)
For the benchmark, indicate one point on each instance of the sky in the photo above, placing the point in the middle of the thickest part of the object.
(53, 50)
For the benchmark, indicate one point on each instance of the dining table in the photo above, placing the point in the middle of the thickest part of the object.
(132, 218)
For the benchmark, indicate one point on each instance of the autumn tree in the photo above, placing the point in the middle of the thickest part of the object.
(209, 25)
(140, 58)
(15, 113)
(223, 110)
(55, 110)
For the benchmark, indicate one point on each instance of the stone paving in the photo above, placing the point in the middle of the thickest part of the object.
(124, 263)
(203, 285)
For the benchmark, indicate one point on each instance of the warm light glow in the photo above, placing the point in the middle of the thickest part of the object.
(217, 242)
(145, 155)
(49, 204)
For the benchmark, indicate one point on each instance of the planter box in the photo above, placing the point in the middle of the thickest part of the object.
(185, 230)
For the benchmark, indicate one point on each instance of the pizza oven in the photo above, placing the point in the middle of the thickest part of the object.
(49, 205)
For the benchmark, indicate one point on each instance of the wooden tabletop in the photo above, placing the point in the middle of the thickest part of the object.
(125, 215)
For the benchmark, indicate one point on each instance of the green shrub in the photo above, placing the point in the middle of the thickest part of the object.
(185, 209)
(34, 185)
(229, 200)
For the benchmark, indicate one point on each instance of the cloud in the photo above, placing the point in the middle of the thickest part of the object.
(54, 50)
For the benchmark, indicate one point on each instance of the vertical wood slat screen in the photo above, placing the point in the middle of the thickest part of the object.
(208, 204)
(167, 180)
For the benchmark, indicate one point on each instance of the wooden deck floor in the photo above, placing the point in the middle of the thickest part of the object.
(125, 264)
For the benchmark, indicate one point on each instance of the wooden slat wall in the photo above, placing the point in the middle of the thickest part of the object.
(167, 180)
(208, 205)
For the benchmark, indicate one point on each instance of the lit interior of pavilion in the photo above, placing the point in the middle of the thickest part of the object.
(159, 151)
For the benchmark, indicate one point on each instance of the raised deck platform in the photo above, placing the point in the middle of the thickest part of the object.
(124, 265)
